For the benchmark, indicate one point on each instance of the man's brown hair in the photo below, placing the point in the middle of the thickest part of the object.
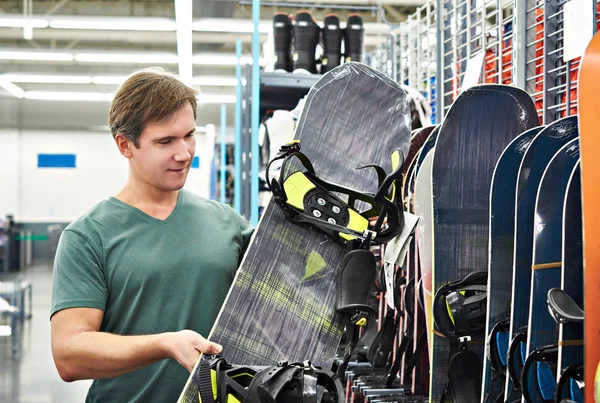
(148, 96)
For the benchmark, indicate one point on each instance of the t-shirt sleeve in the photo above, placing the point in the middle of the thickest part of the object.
(247, 230)
(79, 280)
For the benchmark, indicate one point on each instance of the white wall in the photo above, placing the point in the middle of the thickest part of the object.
(35, 194)
(9, 171)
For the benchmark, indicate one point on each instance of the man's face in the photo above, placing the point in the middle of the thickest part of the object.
(166, 151)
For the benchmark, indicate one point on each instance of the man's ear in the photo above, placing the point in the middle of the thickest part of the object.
(124, 145)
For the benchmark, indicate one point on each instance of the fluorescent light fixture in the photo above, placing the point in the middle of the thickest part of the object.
(38, 56)
(218, 59)
(39, 78)
(5, 330)
(11, 88)
(47, 78)
(68, 96)
(133, 58)
(214, 81)
(207, 59)
(183, 17)
(109, 80)
(114, 23)
(230, 25)
(216, 99)
(12, 22)
(107, 97)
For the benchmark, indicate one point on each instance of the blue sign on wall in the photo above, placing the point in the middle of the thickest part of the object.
(56, 161)
(196, 162)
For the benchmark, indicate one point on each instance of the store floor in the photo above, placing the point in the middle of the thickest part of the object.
(33, 377)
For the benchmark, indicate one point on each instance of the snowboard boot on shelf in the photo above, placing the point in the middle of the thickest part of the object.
(306, 38)
(332, 43)
(354, 35)
(282, 38)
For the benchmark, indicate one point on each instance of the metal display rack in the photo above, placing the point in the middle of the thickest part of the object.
(277, 91)
(522, 42)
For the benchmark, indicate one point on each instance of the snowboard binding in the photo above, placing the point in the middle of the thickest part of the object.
(308, 199)
(221, 382)
(459, 314)
(496, 353)
(538, 381)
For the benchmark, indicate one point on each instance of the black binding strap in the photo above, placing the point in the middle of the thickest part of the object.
(572, 373)
(497, 348)
(549, 355)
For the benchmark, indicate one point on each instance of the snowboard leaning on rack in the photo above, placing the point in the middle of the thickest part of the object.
(281, 305)
(589, 118)
(502, 231)
(479, 125)
(539, 153)
(539, 372)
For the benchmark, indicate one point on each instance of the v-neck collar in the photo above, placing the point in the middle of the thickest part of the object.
(148, 217)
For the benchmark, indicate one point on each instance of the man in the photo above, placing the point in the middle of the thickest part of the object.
(142, 276)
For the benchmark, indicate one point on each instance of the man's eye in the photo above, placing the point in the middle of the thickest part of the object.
(190, 135)
(165, 142)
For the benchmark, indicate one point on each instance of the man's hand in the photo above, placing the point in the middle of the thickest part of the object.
(185, 346)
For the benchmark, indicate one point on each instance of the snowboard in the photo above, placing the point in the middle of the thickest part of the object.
(546, 266)
(540, 151)
(589, 117)
(479, 125)
(420, 373)
(502, 231)
(570, 335)
(281, 305)
(424, 210)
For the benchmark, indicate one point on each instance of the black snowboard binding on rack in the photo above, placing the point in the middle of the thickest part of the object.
(538, 379)
(496, 354)
(310, 201)
(220, 382)
(459, 313)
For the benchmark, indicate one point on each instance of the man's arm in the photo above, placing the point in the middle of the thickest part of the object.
(81, 351)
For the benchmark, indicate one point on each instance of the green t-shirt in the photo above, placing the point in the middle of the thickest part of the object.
(149, 276)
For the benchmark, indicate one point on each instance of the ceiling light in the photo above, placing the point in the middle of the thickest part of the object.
(11, 22)
(68, 96)
(216, 99)
(107, 97)
(214, 81)
(230, 25)
(109, 80)
(134, 58)
(114, 23)
(39, 56)
(47, 78)
(183, 17)
(11, 88)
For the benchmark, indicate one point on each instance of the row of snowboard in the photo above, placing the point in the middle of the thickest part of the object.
(482, 304)
(497, 259)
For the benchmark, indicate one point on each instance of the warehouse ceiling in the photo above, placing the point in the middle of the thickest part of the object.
(80, 50)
